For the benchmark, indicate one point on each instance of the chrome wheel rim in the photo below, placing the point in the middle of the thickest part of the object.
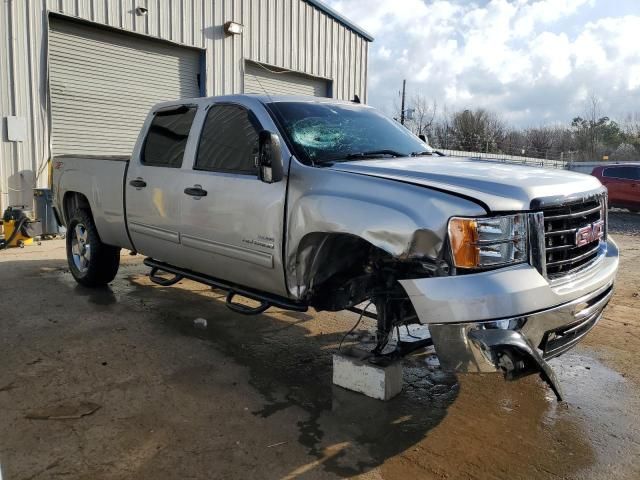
(80, 248)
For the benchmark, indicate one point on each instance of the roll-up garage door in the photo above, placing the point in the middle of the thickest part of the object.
(104, 82)
(258, 79)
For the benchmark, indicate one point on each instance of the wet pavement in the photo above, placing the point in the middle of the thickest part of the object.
(251, 397)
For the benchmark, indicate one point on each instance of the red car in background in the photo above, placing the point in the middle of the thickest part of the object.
(623, 183)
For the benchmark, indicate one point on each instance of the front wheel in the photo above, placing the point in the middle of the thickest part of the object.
(92, 263)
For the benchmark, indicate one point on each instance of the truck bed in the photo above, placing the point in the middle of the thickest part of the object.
(100, 179)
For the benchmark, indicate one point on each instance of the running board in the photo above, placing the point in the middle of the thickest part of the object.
(266, 300)
(164, 282)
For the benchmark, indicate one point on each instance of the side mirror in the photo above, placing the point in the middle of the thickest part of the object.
(423, 137)
(270, 167)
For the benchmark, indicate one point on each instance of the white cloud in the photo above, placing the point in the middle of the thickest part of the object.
(531, 60)
(552, 55)
(384, 53)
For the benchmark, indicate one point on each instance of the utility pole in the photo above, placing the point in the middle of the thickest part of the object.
(404, 85)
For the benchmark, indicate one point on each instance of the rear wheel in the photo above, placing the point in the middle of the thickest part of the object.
(92, 263)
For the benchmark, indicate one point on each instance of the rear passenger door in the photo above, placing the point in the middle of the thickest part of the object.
(622, 183)
(152, 189)
(232, 226)
(634, 200)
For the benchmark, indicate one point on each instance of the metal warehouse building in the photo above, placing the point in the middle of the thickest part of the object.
(78, 76)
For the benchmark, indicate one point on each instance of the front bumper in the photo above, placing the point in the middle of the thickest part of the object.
(514, 319)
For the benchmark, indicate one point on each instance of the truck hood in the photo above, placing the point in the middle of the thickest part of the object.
(498, 186)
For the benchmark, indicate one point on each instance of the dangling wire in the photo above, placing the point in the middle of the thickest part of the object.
(409, 333)
(355, 326)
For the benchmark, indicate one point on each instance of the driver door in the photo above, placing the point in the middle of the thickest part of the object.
(232, 222)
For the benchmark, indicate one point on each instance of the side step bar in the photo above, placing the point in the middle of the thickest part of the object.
(266, 300)
(165, 282)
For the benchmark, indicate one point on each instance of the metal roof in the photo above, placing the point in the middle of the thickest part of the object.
(346, 22)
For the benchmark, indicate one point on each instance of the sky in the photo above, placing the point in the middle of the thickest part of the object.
(534, 62)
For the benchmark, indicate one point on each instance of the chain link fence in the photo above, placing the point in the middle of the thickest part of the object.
(503, 158)
(573, 165)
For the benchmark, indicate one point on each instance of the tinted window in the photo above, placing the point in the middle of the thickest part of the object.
(167, 138)
(628, 173)
(324, 132)
(229, 141)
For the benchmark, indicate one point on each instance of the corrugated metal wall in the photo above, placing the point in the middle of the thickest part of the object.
(119, 75)
(291, 34)
(260, 79)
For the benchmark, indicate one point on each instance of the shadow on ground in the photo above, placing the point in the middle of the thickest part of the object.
(289, 364)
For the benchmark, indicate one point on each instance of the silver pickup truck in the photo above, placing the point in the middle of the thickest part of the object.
(298, 202)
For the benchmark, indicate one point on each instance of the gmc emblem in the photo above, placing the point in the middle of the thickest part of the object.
(590, 233)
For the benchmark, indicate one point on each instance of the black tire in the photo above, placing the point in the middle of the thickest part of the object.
(92, 263)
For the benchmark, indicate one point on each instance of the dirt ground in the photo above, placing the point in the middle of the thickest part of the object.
(150, 394)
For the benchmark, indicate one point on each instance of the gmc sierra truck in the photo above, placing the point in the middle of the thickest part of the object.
(299, 202)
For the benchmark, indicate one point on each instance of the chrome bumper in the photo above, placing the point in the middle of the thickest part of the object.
(512, 320)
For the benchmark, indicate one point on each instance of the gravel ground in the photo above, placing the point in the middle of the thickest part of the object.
(624, 222)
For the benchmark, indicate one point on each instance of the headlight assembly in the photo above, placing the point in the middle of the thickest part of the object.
(488, 242)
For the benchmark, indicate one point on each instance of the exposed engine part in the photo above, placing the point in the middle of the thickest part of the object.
(363, 313)
(346, 272)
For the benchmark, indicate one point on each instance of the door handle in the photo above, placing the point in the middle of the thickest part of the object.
(195, 191)
(138, 183)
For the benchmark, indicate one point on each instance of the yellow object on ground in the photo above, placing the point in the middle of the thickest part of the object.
(19, 239)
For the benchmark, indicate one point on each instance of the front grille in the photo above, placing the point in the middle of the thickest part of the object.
(561, 223)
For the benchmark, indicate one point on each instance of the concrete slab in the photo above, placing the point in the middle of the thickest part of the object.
(353, 372)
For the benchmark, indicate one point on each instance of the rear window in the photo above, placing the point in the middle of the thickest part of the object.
(625, 173)
(167, 137)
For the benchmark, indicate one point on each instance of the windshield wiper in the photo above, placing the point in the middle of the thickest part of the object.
(428, 152)
(420, 154)
(362, 156)
(374, 153)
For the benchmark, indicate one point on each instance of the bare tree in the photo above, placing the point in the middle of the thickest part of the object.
(423, 115)
(442, 135)
(477, 130)
(588, 127)
(540, 141)
(513, 142)
(589, 136)
(631, 130)
(625, 151)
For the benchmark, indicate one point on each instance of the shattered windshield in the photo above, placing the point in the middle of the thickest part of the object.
(328, 132)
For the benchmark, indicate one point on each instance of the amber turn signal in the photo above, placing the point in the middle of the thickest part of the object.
(463, 234)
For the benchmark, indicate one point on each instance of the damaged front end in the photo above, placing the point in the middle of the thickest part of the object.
(510, 320)
(519, 346)
(499, 292)
(476, 324)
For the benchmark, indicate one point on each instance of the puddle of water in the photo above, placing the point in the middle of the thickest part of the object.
(608, 409)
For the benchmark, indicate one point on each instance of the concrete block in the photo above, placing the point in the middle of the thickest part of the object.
(353, 372)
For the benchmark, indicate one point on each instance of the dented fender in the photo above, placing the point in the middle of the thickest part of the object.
(401, 219)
